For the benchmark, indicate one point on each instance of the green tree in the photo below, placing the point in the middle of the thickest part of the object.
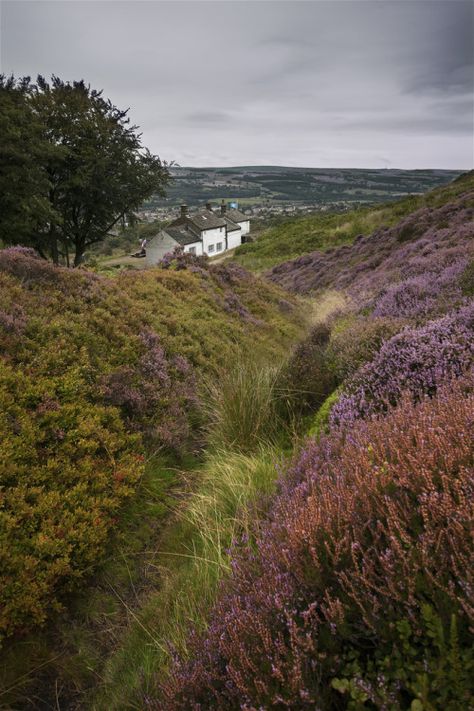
(25, 210)
(94, 169)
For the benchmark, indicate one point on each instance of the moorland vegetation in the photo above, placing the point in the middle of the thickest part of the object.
(354, 589)
(325, 231)
(314, 547)
(102, 383)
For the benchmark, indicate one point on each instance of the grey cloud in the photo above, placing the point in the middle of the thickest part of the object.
(299, 83)
(207, 117)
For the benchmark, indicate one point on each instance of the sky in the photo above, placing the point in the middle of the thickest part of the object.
(316, 83)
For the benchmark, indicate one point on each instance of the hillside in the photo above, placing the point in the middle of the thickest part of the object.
(232, 491)
(101, 384)
(297, 236)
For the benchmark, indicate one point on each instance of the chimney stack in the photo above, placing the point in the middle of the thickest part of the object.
(223, 208)
(208, 206)
(184, 210)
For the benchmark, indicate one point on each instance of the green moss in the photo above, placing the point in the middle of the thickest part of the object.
(319, 424)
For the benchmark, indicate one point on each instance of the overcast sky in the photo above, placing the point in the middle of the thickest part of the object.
(323, 83)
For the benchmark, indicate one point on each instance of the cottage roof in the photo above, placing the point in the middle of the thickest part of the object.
(206, 220)
(182, 235)
(202, 220)
(236, 215)
(231, 226)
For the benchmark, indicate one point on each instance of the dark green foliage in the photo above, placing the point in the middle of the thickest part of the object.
(24, 153)
(431, 666)
(87, 169)
(307, 378)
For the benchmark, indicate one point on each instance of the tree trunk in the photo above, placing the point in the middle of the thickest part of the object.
(79, 253)
(53, 242)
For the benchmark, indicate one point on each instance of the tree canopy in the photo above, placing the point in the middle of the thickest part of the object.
(72, 166)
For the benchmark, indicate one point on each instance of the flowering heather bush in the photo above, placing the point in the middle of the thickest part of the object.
(356, 343)
(360, 584)
(157, 396)
(429, 240)
(178, 259)
(417, 360)
(424, 295)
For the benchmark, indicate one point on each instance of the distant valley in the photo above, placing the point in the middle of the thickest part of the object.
(278, 189)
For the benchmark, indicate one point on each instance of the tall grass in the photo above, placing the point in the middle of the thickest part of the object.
(193, 559)
(244, 406)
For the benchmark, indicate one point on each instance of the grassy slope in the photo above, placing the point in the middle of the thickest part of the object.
(322, 231)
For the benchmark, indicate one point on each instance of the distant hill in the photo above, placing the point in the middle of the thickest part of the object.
(270, 185)
(296, 236)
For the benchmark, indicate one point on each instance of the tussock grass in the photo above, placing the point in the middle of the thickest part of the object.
(243, 406)
(193, 559)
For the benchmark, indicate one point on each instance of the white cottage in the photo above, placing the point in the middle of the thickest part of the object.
(203, 232)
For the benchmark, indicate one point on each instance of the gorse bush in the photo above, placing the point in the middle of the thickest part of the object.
(357, 590)
(66, 467)
(94, 373)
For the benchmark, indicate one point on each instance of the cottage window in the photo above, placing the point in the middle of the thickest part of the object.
(192, 250)
(210, 249)
(219, 247)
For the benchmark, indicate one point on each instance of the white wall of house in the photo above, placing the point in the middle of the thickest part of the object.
(211, 239)
(234, 238)
(194, 248)
(244, 226)
(158, 246)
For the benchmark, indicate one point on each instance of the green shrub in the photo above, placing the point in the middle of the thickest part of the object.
(430, 664)
(66, 467)
(467, 279)
(320, 422)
